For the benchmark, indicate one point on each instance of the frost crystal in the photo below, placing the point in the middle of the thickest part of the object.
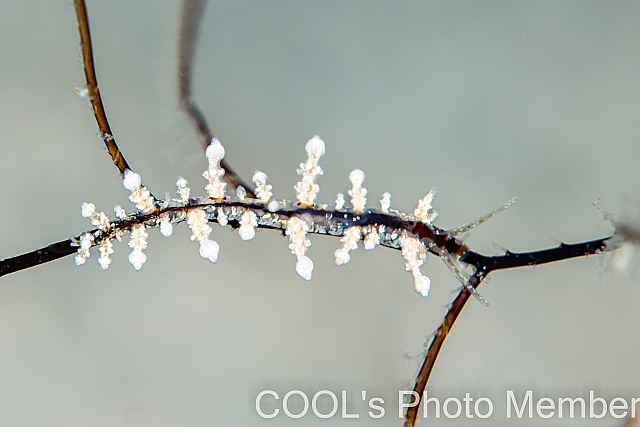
(297, 232)
(339, 201)
(307, 189)
(215, 154)
(357, 193)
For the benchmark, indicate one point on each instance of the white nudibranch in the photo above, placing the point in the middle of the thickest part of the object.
(353, 224)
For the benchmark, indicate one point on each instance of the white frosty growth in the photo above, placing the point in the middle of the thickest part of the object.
(263, 191)
(241, 193)
(86, 240)
(197, 222)
(138, 243)
(415, 254)
(372, 237)
(297, 232)
(140, 194)
(385, 202)
(99, 219)
(119, 212)
(222, 217)
(215, 154)
(248, 224)
(424, 211)
(352, 236)
(307, 189)
(166, 228)
(339, 201)
(357, 193)
(183, 191)
(106, 249)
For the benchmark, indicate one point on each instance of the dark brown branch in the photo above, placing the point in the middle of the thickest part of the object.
(39, 256)
(192, 11)
(94, 91)
(434, 348)
(485, 265)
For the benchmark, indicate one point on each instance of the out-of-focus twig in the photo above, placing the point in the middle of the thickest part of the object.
(192, 11)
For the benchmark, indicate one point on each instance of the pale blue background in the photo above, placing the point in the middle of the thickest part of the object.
(485, 100)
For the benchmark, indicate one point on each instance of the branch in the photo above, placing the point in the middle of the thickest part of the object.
(484, 265)
(192, 11)
(93, 94)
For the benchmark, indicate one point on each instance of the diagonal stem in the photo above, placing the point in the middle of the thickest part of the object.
(192, 11)
(94, 91)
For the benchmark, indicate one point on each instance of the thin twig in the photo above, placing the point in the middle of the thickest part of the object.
(485, 265)
(192, 11)
(94, 91)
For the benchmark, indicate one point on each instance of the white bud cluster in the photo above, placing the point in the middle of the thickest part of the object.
(183, 191)
(241, 193)
(140, 194)
(372, 236)
(166, 228)
(86, 240)
(424, 211)
(385, 202)
(352, 236)
(99, 219)
(119, 212)
(297, 232)
(248, 224)
(307, 189)
(263, 191)
(106, 249)
(197, 222)
(215, 154)
(138, 243)
(357, 193)
(222, 217)
(415, 254)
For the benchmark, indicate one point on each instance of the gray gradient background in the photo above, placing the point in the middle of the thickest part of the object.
(485, 100)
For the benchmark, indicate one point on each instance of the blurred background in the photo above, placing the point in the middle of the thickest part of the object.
(484, 100)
